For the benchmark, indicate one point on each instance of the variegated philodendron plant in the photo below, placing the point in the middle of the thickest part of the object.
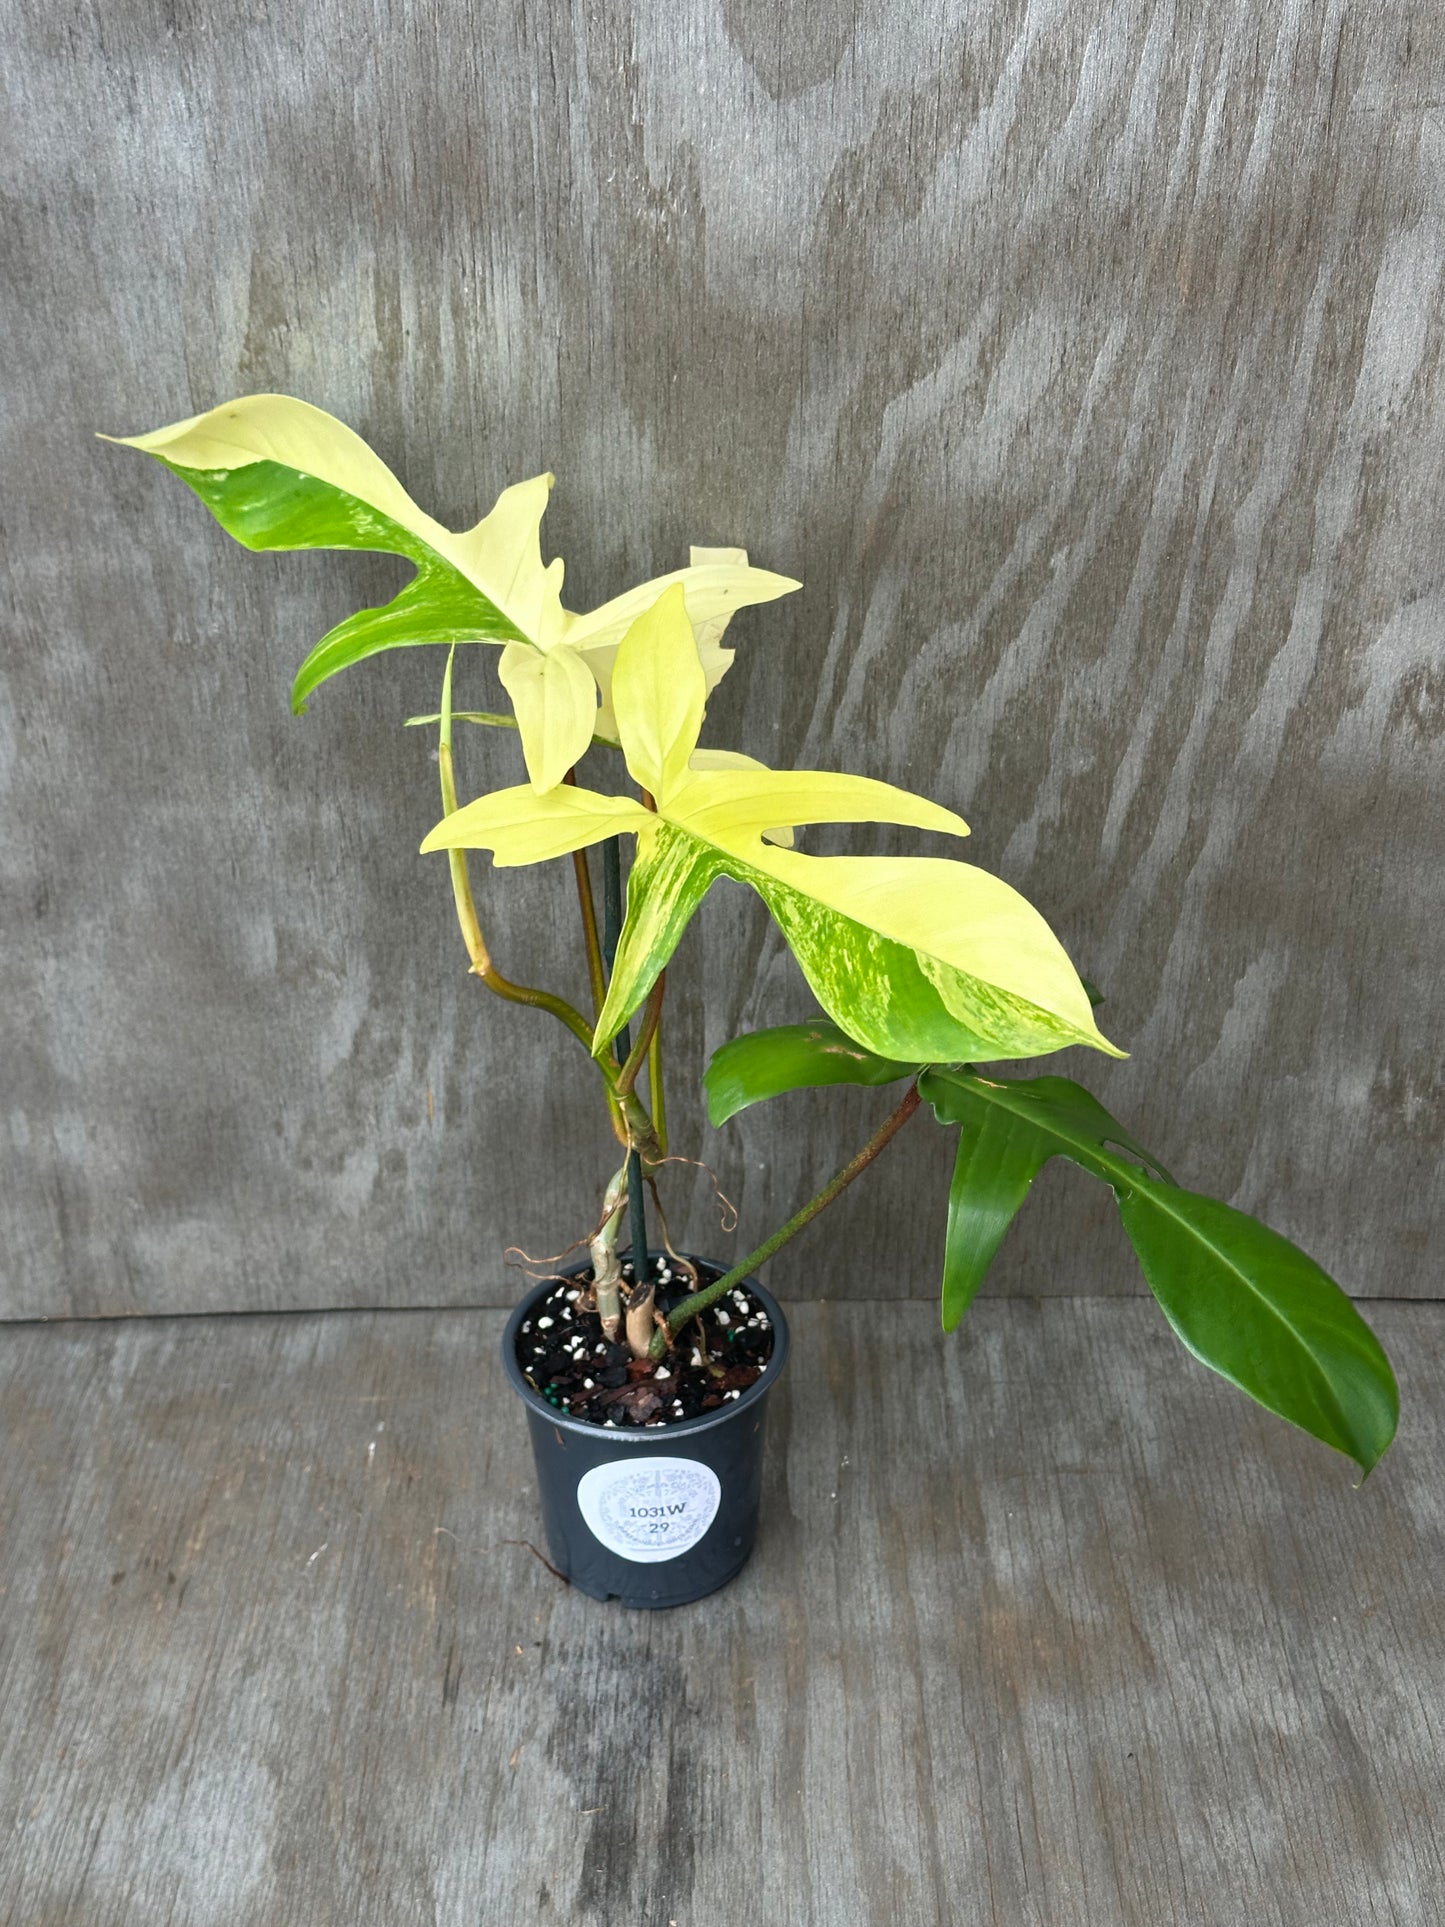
(924, 967)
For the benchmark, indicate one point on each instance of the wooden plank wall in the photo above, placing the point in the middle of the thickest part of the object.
(1084, 360)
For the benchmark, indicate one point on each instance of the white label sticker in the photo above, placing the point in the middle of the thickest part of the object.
(649, 1509)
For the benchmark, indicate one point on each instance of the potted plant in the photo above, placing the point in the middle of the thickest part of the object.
(645, 1373)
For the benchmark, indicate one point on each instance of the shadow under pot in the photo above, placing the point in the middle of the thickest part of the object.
(650, 1515)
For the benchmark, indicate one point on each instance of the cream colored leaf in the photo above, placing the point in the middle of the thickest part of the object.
(703, 759)
(278, 428)
(278, 473)
(733, 807)
(522, 825)
(659, 694)
(708, 629)
(555, 700)
(715, 591)
(504, 549)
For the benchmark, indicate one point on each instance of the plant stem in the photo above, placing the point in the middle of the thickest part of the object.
(654, 1082)
(641, 1321)
(606, 1272)
(651, 1018)
(471, 927)
(611, 931)
(709, 1295)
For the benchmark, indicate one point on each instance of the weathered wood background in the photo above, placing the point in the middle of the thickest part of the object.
(1084, 360)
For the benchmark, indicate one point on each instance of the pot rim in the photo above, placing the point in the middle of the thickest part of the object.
(653, 1436)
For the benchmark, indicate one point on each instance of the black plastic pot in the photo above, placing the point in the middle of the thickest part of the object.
(650, 1515)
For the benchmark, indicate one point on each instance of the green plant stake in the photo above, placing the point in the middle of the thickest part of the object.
(636, 1203)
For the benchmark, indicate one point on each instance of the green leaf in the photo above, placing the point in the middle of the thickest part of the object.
(1068, 1118)
(435, 606)
(266, 506)
(1257, 1310)
(1246, 1302)
(269, 505)
(555, 699)
(992, 1175)
(791, 1057)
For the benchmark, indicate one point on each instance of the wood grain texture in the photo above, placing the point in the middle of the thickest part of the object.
(1044, 1627)
(1084, 361)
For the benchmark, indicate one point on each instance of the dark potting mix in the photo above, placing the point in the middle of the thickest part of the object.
(566, 1358)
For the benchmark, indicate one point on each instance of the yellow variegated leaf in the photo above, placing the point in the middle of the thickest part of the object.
(523, 825)
(658, 686)
(278, 473)
(734, 807)
(555, 699)
(321, 459)
(926, 957)
(920, 959)
(718, 583)
(293, 435)
(704, 759)
(670, 876)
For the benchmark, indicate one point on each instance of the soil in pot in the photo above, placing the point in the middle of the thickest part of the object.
(566, 1358)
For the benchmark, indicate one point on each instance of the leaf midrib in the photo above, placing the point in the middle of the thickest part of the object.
(1131, 1175)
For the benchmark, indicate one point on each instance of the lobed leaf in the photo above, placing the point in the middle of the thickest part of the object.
(993, 1173)
(555, 700)
(706, 759)
(926, 959)
(1248, 1304)
(671, 875)
(918, 959)
(659, 687)
(279, 474)
(522, 825)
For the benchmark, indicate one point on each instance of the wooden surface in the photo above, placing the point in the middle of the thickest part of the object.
(1045, 1626)
(1084, 361)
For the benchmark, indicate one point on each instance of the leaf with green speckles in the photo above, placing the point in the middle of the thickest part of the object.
(920, 959)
